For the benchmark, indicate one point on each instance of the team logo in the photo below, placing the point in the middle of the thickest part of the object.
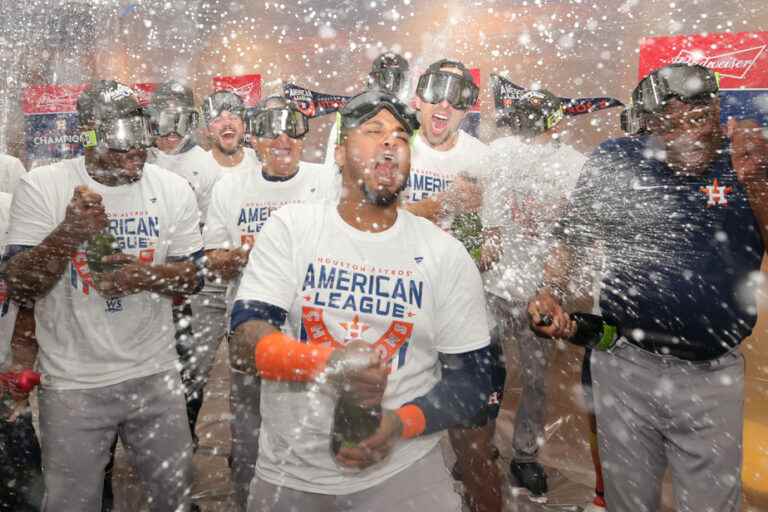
(716, 194)
(354, 329)
(734, 64)
(394, 338)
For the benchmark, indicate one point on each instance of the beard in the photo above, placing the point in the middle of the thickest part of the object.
(381, 198)
(228, 152)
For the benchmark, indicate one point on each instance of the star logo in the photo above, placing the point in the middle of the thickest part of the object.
(716, 194)
(354, 329)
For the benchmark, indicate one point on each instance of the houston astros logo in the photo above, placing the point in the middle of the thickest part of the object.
(716, 194)
(397, 334)
(354, 329)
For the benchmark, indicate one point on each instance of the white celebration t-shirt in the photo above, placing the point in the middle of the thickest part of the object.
(412, 291)
(243, 202)
(87, 341)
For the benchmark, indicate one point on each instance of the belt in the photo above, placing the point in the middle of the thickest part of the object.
(665, 345)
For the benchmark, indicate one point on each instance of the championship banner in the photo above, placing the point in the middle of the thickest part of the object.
(248, 87)
(741, 59)
(50, 112)
(471, 122)
(51, 130)
(312, 103)
(505, 93)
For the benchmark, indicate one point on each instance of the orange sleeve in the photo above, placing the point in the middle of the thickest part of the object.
(413, 420)
(280, 357)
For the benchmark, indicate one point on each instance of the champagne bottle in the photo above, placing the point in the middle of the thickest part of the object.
(591, 331)
(102, 244)
(353, 423)
(468, 229)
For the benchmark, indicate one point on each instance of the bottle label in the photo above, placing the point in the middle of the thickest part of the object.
(610, 335)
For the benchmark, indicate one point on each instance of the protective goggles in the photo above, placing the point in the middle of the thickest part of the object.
(122, 134)
(222, 101)
(167, 122)
(688, 83)
(437, 86)
(271, 122)
(365, 106)
(391, 80)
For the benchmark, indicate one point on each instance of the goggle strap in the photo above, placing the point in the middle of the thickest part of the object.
(338, 128)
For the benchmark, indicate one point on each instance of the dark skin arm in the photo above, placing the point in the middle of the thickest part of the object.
(226, 263)
(32, 273)
(176, 278)
(23, 356)
(24, 342)
(365, 386)
(749, 155)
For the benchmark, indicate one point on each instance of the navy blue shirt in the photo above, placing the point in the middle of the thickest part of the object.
(683, 252)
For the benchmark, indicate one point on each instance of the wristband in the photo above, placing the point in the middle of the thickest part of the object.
(280, 357)
(413, 420)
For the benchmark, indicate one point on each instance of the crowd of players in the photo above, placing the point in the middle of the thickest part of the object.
(346, 275)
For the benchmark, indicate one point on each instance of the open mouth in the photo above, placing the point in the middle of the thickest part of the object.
(439, 122)
(280, 152)
(228, 135)
(386, 170)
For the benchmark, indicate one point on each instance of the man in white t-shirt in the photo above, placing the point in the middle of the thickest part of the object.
(532, 177)
(173, 119)
(373, 302)
(223, 115)
(104, 326)
(11, 171)
(240, 206)
(447, 168)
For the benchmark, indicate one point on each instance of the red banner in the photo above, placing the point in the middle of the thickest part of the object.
(247, 87)
(51, 99)
(741, 59)
(144, 92)
(52, 131)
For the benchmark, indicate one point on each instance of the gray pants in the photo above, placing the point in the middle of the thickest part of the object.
(77, 428)
(426, 486)
(245, 397)
(654, 411)
(209, 325)
(534, 354)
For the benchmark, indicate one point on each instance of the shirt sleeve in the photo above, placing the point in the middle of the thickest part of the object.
(461, 318)
(15, 172)
(269, 277)
(215, 232)
(185, 238)
(31, 219)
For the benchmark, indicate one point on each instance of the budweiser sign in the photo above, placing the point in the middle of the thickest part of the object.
(734, 64)
(741, 58)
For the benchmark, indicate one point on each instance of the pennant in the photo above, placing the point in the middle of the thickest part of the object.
(312, 103)
(505, 93)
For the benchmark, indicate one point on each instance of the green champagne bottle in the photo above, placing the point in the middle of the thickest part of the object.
(353, 423)
(102, 244)
(468, 229)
